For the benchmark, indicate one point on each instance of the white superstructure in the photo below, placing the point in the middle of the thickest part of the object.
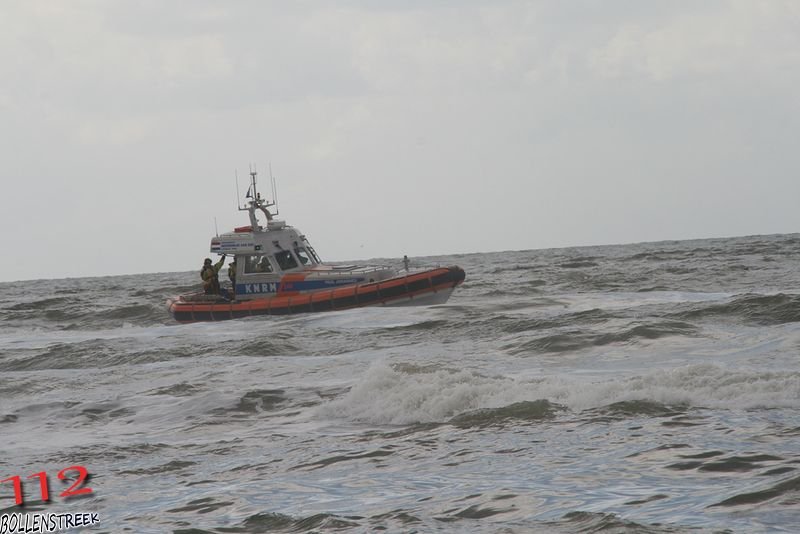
(275, 255)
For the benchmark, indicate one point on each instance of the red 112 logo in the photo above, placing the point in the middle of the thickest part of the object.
(72, 491)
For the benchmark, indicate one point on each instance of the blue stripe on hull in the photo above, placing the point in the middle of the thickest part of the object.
(270, 288)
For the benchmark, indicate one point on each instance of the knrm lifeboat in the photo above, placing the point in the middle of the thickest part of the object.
(278, 272)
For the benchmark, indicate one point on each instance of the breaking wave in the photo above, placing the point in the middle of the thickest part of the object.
(388, 394)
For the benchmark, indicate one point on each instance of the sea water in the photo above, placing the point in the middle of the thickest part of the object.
(639, 388)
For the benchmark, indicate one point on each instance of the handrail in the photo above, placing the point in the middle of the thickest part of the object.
(339, 273)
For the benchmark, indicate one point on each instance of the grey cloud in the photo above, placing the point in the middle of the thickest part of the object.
(417, 128)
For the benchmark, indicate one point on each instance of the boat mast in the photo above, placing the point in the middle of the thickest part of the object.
(256, 203)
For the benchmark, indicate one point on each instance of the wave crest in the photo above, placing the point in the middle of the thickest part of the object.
(392, 394)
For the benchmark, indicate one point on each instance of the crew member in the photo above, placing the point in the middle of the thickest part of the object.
(210, 275)
(232, 274)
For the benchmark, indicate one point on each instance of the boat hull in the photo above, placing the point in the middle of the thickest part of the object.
(415, 289)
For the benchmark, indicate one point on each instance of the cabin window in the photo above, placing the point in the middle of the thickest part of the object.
(302, 255)
(285, 260)
(257, 264)
(313, 253)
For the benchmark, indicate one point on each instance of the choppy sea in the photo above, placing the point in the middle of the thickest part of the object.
(648, 388)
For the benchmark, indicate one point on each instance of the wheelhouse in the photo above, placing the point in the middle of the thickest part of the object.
(273, 257)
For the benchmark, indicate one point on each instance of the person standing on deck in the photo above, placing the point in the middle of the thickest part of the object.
(210, 275)
(232, 275)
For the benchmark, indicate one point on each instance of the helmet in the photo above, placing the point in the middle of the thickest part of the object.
(207, 261)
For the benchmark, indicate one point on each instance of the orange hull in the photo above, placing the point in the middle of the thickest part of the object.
(342, 298)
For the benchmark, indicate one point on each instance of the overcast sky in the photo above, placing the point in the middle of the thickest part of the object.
(393, 127)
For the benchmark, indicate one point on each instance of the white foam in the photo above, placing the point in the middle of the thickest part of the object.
(390, 395)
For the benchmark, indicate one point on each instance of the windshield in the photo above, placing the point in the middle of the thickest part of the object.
(302, 255)
(285, 260)
(313, 253)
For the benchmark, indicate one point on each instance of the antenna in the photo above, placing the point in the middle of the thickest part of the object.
(274, 190)
(236, 174)
(216, 232)
(253, 173)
